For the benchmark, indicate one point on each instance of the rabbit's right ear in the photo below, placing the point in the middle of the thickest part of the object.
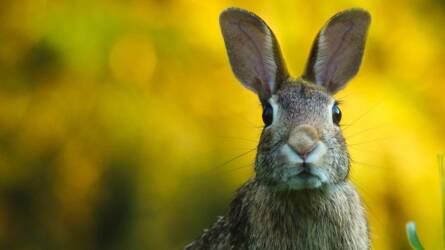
(253, 52)
(338, 49)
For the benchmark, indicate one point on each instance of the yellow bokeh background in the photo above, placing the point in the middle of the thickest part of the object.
(118, 119)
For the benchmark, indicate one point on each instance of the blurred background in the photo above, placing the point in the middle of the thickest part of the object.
(122, 126)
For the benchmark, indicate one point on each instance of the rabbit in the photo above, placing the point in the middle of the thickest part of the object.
(300, 196)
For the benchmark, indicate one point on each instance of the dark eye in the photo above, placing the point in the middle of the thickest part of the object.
(336, 114)
(267, 114)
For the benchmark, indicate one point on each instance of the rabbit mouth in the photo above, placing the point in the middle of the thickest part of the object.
(302, 178)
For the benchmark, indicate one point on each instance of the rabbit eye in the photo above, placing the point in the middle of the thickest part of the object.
(267, 114)
(336, 114)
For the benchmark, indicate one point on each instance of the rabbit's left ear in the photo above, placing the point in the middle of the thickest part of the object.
(253, 52)
(338, 50)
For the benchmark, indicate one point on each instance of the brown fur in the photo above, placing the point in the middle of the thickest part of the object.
(262, 217)
(300, 197)
(305, 220)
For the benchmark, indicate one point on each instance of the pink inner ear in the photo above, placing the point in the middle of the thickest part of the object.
(259, 51)
(253, 52)
(333, 50)
(339, 50)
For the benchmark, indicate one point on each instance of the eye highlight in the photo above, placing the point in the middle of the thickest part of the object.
(267, 114)
(336, 114)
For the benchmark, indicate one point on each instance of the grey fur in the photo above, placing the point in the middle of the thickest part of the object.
(278, 208)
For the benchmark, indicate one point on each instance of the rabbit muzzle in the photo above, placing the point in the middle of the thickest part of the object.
(304, 153)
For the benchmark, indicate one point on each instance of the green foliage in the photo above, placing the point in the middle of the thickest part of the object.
(412, 236)
(411, 226)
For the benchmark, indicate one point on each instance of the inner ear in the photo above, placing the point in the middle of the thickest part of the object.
(338, 50)
(253, 51)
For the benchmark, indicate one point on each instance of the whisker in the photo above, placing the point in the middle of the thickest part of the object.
(371, 151)
(251, 124)
(238, 138)
(229, 161)
(234, 169)
(367, 142)
(362, 131)
(366, 196)
(361, 189)
(363, 163)
(343, 125)
(344, 96)
(362, 115)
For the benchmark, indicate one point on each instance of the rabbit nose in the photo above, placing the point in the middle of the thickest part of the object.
(303, 140)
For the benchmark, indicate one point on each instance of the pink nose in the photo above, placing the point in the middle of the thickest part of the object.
(303, 140)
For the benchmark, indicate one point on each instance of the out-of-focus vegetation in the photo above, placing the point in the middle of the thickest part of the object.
(413, 238)
(116, 118)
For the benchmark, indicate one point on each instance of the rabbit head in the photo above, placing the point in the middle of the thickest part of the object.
(301, 145)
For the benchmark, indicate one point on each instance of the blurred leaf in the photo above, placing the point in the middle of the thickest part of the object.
(412, 236)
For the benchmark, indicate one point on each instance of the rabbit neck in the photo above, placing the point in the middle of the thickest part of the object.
(331, 218)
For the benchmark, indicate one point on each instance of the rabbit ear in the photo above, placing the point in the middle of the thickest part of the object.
(338, 49)
(253, 52)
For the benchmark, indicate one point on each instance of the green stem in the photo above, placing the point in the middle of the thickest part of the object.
(413, 239)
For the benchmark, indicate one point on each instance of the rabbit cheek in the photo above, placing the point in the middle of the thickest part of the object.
(339, 159)
(264, 159)
(266, 140)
